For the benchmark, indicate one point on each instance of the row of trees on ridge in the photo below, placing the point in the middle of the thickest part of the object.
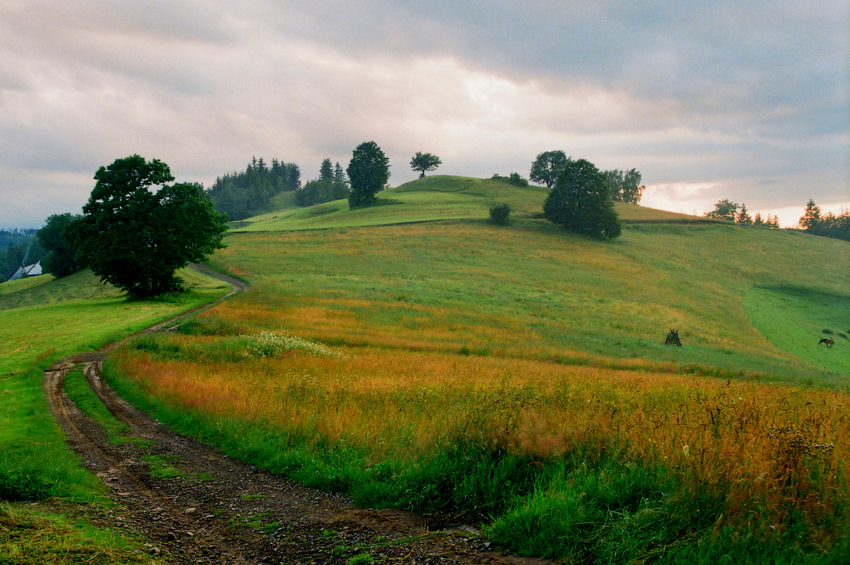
(725, 209)
(243, 194)
(827, 225)
(624, 186)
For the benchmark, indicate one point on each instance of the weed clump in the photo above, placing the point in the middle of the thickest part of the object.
(23, 487)
(275, 344)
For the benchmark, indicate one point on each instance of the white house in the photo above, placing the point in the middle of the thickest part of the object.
(27, 271)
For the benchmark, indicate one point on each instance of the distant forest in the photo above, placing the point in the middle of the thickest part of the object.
(245, 194)
(17, 247)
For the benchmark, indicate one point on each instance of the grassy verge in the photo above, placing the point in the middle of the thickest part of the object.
(30, 536)
(35, 463)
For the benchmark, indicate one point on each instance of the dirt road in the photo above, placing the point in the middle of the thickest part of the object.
(196, 505)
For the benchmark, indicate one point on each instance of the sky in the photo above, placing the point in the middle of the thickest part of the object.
(709, 100)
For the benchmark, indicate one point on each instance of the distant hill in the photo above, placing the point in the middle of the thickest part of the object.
(428, 199)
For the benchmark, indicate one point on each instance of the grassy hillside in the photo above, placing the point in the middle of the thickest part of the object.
(414, 355)
(533, 291)
(425, 200)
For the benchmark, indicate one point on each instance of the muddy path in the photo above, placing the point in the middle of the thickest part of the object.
(196, 505)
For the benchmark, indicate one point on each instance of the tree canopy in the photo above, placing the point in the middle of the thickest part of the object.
(331, 185)
(828, 225)
(424, 162)
(724, 209)
(243, 194)
(60, 259)
(136, 238)
(580, 200)
(547, 166)
(625, 186)
(368, 172)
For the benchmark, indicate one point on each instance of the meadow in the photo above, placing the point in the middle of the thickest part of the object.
(518, 376)
(41, 480)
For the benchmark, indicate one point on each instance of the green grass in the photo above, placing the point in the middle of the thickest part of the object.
(425, 272)
(796, 319)
(38, 326)
(9, 287)
(29, 536)
(533, 290)
(434, 198)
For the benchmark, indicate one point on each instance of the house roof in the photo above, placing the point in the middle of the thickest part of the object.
(27, 271)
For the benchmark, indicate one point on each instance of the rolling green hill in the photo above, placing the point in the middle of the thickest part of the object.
(520, 372)
(426, 200)
(566, 295)
(536, 357)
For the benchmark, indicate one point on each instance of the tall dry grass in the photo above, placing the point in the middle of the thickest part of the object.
(774, 453)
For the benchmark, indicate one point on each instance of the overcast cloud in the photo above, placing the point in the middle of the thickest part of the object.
(709, 100)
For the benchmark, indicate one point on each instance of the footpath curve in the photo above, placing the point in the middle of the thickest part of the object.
(208, 508)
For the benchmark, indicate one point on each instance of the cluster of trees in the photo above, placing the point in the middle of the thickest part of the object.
(60, 259)
(17, 247)
(827, 225)
(730, 211)
(332, 184)
(580, 201)
(244, 194)
(136, 229)
(514, 179)
(624, 186)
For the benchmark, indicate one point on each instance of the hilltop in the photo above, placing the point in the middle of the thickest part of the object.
(435, 198)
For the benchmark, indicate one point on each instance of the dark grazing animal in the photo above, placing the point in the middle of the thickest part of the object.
(826, 341)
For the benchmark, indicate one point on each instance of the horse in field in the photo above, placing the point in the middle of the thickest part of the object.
(826, 341)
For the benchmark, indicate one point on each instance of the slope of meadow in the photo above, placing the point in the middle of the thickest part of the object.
(519, 374)
(425, 200)
(40, 324)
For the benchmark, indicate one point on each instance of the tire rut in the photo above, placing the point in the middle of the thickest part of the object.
(195, 504)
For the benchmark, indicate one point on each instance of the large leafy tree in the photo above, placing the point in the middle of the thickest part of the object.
(368, 172)
(136, 238)
(60, 259)
(625, 185)
(580, 200)
(424, 162)
(547, 166)
(724, 210)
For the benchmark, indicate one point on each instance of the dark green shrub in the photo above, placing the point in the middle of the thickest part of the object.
(500, 214)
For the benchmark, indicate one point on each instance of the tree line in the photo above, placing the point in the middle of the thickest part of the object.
(827, 225)
(246, 193)
(725, 209)
(624, 186)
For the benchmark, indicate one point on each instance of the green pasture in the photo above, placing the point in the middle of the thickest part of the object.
(533, 290)
(9, 287)
(425, 200)
(38, 326)
(796, 319)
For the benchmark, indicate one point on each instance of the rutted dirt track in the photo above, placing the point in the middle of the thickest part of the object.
(220, 510)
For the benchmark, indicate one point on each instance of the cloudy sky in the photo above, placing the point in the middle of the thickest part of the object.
(710, 99)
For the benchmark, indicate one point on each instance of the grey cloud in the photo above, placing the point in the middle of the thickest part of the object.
(686, 92)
